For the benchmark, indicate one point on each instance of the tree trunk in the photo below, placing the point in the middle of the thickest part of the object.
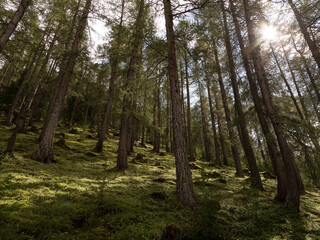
(190, 147)
(223, 143)
(25, 78)
(114, 70)
(204, 124)
(271, 144)
(143, 144)
(13, 23)
(287, 84)
(246, 144)
(312, 80)
(86, 114)
(184, 184)
(234, 148)
(73, 112)
(158, 132)
(213, 123)
(43, 153)
(312, 45)
(127, 99)
(294, 181)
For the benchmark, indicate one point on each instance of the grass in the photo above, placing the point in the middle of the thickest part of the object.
(83, 196)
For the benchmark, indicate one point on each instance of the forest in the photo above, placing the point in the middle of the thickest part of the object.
(160, 119)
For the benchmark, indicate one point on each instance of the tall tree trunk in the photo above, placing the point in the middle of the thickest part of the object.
(312, 44)
(20, 126)
(271, 144)
(114, 70)
(143, 130)
(204, 124)
(43, 153)
(127, 99)
(234, 148)
(40, 92)
(26, 76)
(158, 132)
(310, 75)
(213, 123)
(73, 112)
(13, 23)
(190, 147)
(287, 83)
(294, 181)
(86, 114)
(223, 143)
(168, 132)
(246, 144)
(62, 65)
(184, 184)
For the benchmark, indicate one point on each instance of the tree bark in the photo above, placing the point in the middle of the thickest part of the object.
(13, 23)
(204, 124)
(114, 70)
(43, 153)
(234, 148)
(312, 45)
(246, 144)
(184, 184)
(125, 128)
(271, 144)
(287, 83)
(312, 80)
(190, 147)
(213, 123)
(158, 132)
(294, 181)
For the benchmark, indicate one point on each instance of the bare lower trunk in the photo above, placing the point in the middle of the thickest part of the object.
(294, 182)
(22, 86)
(43, 153)
(184, 184)
(86, 114)
(234, 148)
(223, 143)
(245, 139)
(125, 128)
(73, 112)
(190, 147)
(271, 144)
(106, 118)
(213, 123)
(204, 125)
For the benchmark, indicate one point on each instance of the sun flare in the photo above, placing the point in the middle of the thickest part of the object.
(269, 32)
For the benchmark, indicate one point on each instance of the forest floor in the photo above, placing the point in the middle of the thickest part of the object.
(83, 196)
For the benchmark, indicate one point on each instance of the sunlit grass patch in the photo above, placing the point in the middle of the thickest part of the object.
(84, 196)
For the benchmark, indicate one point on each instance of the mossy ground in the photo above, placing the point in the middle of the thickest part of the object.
(83, 196)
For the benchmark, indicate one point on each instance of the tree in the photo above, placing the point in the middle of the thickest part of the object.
(24, 4)
(311, 43)
(43, 153)
(184, 184)
(272, 146)
(114, 58)
(125, 127)
(255, 176)
(294, 182)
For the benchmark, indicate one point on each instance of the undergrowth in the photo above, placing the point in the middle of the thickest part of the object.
(83, 196)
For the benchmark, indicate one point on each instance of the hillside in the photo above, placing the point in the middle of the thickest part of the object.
(83, 196)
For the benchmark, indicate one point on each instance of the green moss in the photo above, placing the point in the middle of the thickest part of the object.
(85, 197)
